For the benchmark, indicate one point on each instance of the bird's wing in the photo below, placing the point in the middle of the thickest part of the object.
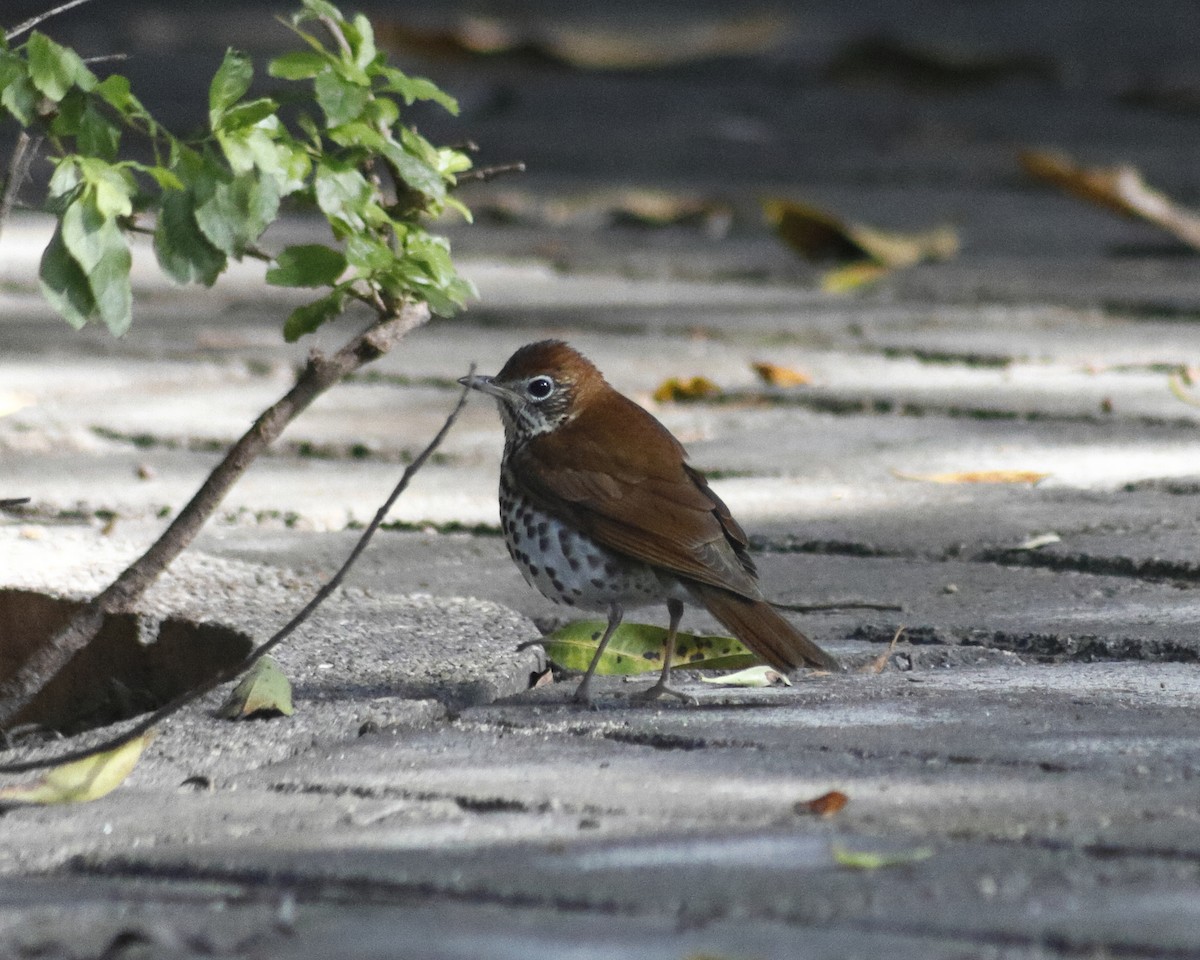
(619, 475)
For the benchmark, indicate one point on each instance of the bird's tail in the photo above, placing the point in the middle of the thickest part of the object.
(757, 624)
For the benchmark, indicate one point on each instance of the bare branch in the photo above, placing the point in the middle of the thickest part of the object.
(19, 690)
(484, 174)
(41, 17)
(266, 647)
(24, 150)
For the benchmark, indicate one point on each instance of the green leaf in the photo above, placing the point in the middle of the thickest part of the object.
(637, 648)
(362, 41)
(87, 232)
(64, 284)
(111, 288)
(248, 114)
(263, 692)
(875, 860)
(115, 91)
(345, 196)
(166, 179)
(413, 89)
(234, 213)
(112, 188)
(298, 65)
(308, 265)
(98, 136)
(98, 246)
(308, 318)
(55, 69)
(20, 98)
(229, 84)
(322, 8)
(182, 250)
(340, 99)
(368, 254)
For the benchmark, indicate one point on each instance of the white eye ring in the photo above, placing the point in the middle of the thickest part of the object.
(539, 388)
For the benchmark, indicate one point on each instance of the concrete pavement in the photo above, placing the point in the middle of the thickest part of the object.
(1022, 779)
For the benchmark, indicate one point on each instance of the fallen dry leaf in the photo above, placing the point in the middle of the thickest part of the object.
(826, 805)
(866, 252)
(1120, 189)
(1039, 541)
(759, 675)
(263, 692)
(648, 208)
(591, 46)
(1179, 382)
(80, 781)
(674, 389)
(774, 375)
(976, 476)
(879, 664)
(886, 60)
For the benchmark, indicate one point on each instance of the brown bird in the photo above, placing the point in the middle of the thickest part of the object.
(600, 511)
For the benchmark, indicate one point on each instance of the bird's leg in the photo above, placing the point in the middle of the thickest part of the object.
(583, 693)
(675, 609)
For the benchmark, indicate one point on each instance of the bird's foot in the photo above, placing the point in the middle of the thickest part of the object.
(660, 689)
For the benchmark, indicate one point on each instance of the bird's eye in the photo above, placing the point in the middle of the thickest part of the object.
(540, 388)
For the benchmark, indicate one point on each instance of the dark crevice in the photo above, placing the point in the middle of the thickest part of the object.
(1152, 569)
(1052, 647)
(667, 741)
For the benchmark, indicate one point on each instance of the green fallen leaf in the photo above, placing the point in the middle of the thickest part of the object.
(637, 648)
(756, 676)
(264, 691)
(80, 781)
(874, 860)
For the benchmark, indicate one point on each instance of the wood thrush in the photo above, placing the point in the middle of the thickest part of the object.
(600, 511)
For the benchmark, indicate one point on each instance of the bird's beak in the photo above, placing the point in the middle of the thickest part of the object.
(489, 386)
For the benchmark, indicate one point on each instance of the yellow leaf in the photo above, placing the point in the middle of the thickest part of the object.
(852, 276)
(976, 476)
(874, 860)
(675, 389)
(774, 375)
(80, 781)
(1178, 384)
(1120, 189)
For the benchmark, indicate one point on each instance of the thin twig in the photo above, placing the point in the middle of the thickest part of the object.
(837, 605)
(484, 174)
(19, 689)
(107, 58)
(231, 673)
(24, 150)
(41, 17)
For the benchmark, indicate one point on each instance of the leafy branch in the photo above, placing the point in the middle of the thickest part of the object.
(145, 724)
(343, 150)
